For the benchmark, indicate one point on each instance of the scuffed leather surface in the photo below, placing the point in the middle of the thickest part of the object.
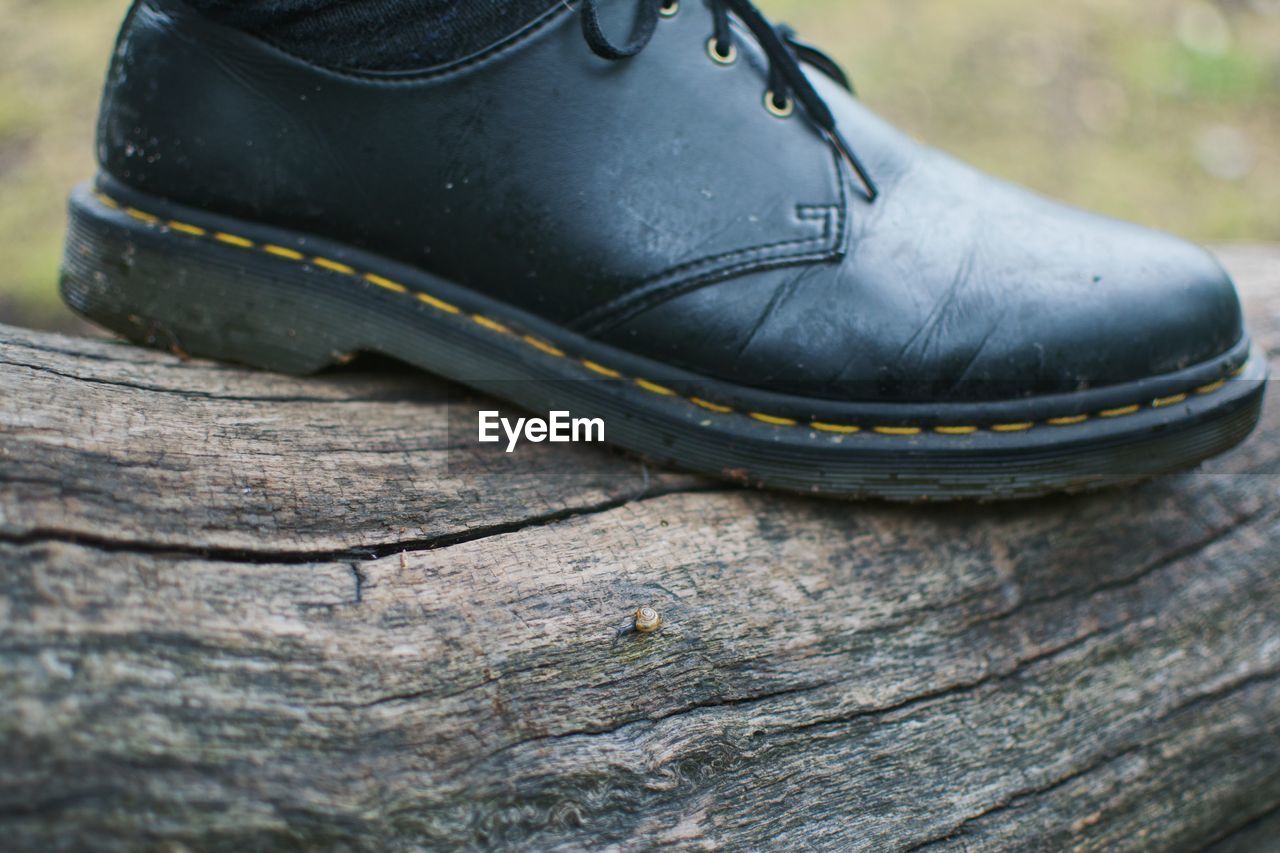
(655, 205)
(957, 286)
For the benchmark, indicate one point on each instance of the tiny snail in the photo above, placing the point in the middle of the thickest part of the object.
(647, 620)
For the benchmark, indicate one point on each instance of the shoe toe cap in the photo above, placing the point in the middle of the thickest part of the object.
(1138, 304)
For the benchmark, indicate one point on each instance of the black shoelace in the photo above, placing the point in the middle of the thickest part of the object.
(784, 51)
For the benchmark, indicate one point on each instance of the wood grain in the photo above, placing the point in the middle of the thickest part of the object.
(243, 609)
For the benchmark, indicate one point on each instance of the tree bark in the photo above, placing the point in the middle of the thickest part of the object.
(246, 609)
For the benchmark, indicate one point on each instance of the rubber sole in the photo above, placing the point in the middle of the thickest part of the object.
(211, 286)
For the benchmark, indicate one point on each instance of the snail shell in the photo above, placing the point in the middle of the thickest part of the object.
(647, 620)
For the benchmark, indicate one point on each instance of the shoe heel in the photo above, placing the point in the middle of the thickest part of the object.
(150, 282)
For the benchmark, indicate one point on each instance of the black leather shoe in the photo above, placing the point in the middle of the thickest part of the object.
(699, 235)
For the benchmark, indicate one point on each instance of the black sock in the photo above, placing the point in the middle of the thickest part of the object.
(377, 35)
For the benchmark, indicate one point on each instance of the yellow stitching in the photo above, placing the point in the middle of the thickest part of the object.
(491, 325)
(773, 420)
(282, 252)
(543, 346)
(438, 303)
(836, 428)
(385, 283)
(1173, 400)
(334, 266)
(193, 230)
(233, 240)
(709, 406)
(601, 369)
(1211, 387)
(654, 388)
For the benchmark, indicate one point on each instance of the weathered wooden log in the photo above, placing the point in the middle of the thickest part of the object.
(243, 609)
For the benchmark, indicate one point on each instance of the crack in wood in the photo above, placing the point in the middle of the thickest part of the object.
(1259, 822)
(1188, 551)
(360, 580)
(192, 394)
(1020, 797)
(378, 552)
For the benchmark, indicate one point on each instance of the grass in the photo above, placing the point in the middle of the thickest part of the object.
(52, 58)
(1161, 111)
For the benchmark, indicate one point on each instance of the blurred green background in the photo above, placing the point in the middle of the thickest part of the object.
(1163, 111)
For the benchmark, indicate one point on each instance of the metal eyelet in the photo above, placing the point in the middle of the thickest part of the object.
(722, 58)
(669, 8)
(784, 111)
